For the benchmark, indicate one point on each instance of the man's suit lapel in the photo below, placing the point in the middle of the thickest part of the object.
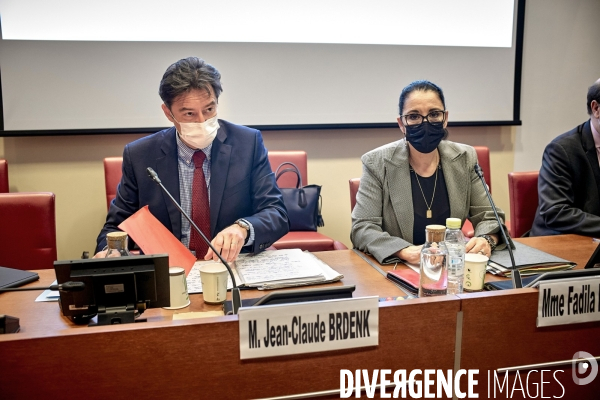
(219, 167)
(398, 181)
(167, 169)
(457, 178)
(591, 153)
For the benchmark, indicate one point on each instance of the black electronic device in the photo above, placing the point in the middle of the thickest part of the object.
(554, 275)
(594, 261)
(9, 324)
(235, 290)
(516, 275)
(535, 280)
(295, 296)
(10, 277)
(117, 289)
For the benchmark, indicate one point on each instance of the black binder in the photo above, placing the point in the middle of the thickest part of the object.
(10, 277)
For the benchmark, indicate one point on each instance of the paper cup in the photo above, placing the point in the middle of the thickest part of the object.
(179, 290)
(474, 277)
(214, 282)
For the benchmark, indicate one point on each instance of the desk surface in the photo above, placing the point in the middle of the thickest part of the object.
(45, 319)
(574, 248)
(199, 358)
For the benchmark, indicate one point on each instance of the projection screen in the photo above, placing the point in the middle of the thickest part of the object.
(77, 67)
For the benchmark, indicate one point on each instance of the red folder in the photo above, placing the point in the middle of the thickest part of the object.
(406, 278)
(153, 238)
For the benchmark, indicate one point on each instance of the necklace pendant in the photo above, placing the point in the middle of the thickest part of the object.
(429, 214)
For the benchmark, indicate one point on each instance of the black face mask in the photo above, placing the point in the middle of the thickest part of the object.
(425, 137)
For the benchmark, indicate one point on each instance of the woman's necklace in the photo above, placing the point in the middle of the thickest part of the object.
(429, 213)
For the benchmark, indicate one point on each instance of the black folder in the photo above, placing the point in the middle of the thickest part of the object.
(10, 277)
(295, 296)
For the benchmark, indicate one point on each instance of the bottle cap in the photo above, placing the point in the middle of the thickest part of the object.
(453, 223)
(435, 228)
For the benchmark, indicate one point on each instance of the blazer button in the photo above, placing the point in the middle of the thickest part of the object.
(262, 246)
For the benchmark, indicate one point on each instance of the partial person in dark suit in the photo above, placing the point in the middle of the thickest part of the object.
(247, 212)
(569, 180)
(417, 181)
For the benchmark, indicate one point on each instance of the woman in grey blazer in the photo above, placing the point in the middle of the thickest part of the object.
(417, 181)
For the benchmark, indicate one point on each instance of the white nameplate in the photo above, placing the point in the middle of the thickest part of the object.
(569, 301)
(277, 330)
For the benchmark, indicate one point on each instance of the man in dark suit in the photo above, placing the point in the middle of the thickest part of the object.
(569, 180)
(246, 208)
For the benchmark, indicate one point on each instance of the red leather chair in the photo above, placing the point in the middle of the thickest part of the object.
(298, 157)
(523, 199)
(311, 241)
(483, 158)
(305, 240)
(112, 177)
(3, 176)
(354, 184)
(27, 230)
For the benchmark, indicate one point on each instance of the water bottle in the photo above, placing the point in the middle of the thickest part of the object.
(116, 244)
(434, 263)
(455, 242)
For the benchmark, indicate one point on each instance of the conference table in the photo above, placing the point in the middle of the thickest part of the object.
(200, 357)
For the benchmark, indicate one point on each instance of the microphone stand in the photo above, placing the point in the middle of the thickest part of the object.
(516, 274)
(236, 299)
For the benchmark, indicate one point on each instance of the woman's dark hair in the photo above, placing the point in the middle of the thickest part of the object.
(188, 74)
(423, 86)
(593, 94)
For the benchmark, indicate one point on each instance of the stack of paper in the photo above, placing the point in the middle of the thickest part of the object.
(529, 261)
(273, 270)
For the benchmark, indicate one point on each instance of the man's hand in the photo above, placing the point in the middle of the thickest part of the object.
(411, 254)
(102, 254)
(228, 242)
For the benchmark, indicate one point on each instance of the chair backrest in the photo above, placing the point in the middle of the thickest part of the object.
(3, 176)
(483, 158)
(523, 198)
(112, 177)
(298, 157)
(354, 184)
(113, 171)
(27, 230)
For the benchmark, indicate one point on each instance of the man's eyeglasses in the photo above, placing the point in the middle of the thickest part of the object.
(434, 117)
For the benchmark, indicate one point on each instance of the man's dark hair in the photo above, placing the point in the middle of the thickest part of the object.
(593, 94)
(423, 86)
(188, 74)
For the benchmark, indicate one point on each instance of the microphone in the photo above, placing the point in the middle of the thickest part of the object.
(236, 299)
(63, 287)
(516, 275)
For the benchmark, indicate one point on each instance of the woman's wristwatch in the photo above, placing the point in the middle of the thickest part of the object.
(490, 241)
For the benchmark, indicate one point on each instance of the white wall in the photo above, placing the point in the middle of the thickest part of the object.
(561, 60)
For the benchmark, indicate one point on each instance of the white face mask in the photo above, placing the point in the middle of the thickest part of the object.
(199, 134)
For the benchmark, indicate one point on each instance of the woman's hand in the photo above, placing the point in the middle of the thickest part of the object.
(411, 254)
(478, 245)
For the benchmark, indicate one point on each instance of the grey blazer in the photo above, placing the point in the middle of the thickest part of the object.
(383, 218)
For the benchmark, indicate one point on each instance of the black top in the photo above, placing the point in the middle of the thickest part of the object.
(440, 207)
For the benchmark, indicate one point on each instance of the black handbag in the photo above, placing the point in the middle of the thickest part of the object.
(303, 203)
